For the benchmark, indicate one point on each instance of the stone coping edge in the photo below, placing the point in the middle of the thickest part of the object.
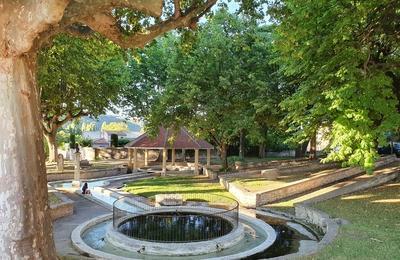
(83, 248)
(310, 215)
(178, 249)
(254, 199)
(63, 208)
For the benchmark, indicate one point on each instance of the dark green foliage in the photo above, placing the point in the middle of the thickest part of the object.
(72, 141)
(114, 140)
(344, 58)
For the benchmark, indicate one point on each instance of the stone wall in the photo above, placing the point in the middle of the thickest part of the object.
(111, 153)
(62, 209)
(314, 182)
(88, 174)
(268, 164)
(254, 199)
(122, 153)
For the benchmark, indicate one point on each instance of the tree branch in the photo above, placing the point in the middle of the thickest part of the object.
(105, 24)
(76, 10)
(177, 8)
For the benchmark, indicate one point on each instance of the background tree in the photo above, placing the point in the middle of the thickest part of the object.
(348, 71)
(78, 77)
(148, 70)
(212, 83)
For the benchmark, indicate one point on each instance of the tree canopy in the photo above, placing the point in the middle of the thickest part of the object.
(78, 77)
(216, 81)
(345, 58)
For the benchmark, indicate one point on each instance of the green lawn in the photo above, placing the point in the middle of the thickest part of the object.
(189, 187)
(260, 183)
(374, 232)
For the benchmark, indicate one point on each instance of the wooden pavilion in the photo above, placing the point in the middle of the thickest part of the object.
(168, 140)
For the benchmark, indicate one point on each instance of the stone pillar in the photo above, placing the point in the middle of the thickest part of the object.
(135, 159)
(208, 157)
(130, 166)
(60, 163)
(196, 161)
(146, 157)
(184, 155)
(173, 157)
(164, 161)
(77, 171)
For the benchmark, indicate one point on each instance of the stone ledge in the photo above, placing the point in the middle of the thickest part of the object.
(88, 174)
(83, 248)
(307, 214)
(357, 186)
(244, 165)
(254, 199)
(62, 209)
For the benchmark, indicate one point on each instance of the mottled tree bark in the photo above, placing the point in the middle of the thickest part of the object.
(25, 225)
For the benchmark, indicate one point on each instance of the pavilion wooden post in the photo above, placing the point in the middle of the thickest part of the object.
(196, 161)
(208, 157)
(146, 155)
(129, 160)
(135, 159)
(173, 157)
(164, 161)
(184, 155)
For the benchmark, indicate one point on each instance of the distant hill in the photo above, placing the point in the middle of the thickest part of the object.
(132, 126)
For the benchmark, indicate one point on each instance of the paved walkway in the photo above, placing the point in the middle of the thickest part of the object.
(62, 228)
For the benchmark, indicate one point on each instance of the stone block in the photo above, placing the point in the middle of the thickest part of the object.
(169, 199)
(270, 174)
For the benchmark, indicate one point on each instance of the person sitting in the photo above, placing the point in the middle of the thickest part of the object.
(85, 189)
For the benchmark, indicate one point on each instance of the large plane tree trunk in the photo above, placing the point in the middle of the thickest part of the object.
(26, 230)
(52, 145)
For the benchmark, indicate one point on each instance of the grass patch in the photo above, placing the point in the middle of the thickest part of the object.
(53, 199)
(259, 183)
(192, 188)
(374, 232)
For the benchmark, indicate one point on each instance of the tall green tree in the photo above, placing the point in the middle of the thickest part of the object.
(214, 80)
(148, 69)
(345, 55)
(78, 77)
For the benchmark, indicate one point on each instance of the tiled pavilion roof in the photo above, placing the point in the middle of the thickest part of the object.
(183, 140)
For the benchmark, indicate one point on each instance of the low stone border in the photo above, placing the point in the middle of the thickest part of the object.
(247, 165)
(178, 249)
(88, 174)
(307, 214)
(255, 199)
(83, 248)
(357, 186)
(62, 209)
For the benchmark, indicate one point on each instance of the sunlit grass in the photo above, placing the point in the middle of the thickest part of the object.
(374, 231)
(192, 188)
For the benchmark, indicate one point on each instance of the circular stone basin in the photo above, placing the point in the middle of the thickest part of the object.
(176, 227)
